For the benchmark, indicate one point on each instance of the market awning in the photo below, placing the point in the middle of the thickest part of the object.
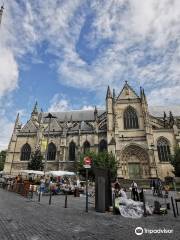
(32, 172)
(60, 173)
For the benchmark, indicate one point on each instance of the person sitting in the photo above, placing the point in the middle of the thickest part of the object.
(122, 193)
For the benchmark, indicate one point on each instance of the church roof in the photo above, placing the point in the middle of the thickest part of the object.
(86, 127)
(54, 126)
(75, 115)
(29, 127)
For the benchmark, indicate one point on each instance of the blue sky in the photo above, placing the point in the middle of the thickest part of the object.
(64, 54)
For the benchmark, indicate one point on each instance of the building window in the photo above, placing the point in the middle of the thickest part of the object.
(102, 146)
(86, 146)
(163, 150)
(130, 118)
(72, 151)
(25, 152)
(51, 154)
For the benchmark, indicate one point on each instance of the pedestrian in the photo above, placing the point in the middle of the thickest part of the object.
(117, 188)
(135, 194)
(42, 185)
(123, 193)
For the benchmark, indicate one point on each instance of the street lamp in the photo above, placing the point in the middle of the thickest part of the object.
(1, 13)
(154, 162)
(49, 116)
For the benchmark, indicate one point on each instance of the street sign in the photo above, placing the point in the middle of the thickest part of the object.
(87, 161)
(87, 166)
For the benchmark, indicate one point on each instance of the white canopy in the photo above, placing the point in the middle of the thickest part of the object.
(32, 172)
(60, 173)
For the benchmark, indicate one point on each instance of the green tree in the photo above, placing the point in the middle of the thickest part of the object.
(36, 161)
(102, 159)
(2, 159)
(175, 161)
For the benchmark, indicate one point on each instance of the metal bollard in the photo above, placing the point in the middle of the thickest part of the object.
(50, 196)
(172, 201)
(65, 205)
(32, 194)
(114, 209)
(144, 203)
(39, 196)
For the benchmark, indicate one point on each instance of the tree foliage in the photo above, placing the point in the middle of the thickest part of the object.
(2, 159)
(36, 161)
(175, 161)
(102, 160)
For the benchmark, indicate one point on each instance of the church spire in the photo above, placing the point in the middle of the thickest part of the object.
(143, 95)
(114, 93)
(17, 120)
(65, 124)
(108, 94)
(17, 124)
(141, 92)
(95, 113)
(1, 13)
(171, 119)
(35, 109)
(71, 119)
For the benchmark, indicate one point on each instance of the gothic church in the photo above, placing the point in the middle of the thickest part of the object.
(140, 142)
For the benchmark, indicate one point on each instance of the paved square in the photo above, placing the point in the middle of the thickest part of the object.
(24, 219)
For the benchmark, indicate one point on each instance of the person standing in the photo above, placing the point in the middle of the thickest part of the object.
(135, 191)
(42, 185)
(117, 188)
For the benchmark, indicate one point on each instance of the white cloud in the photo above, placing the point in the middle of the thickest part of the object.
(58, 104)
(6, 131)
(88, 107)
(165, 96)
(8, 72)
(158, 111)
(133, 40)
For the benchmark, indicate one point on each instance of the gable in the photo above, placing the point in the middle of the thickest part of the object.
(29, 127)
(127, 93)
(54, 126)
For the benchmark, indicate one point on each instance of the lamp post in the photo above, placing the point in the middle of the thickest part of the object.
(1, 13)
(49, 116)
(154, 162)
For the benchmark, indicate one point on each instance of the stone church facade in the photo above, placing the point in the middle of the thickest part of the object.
(140, 142)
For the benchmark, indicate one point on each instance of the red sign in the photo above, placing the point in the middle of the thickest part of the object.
(87, 161)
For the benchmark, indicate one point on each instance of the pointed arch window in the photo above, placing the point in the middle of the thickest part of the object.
(163, 150)
(72, 151)
(86, 146)
(130, 118)
(51, 154)
(25, 152)
(103, 145)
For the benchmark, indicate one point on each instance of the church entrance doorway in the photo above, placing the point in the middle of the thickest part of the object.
(134, 171)
(135, 162)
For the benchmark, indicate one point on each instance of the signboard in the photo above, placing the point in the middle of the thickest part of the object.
(43, 145)
(87, 166)
(87, 162)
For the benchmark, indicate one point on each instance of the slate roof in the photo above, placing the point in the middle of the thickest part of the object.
(75, 115)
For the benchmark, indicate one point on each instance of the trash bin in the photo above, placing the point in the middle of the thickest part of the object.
(103, 193)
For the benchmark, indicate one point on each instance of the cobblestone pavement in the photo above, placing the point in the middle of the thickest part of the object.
(26, 219)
